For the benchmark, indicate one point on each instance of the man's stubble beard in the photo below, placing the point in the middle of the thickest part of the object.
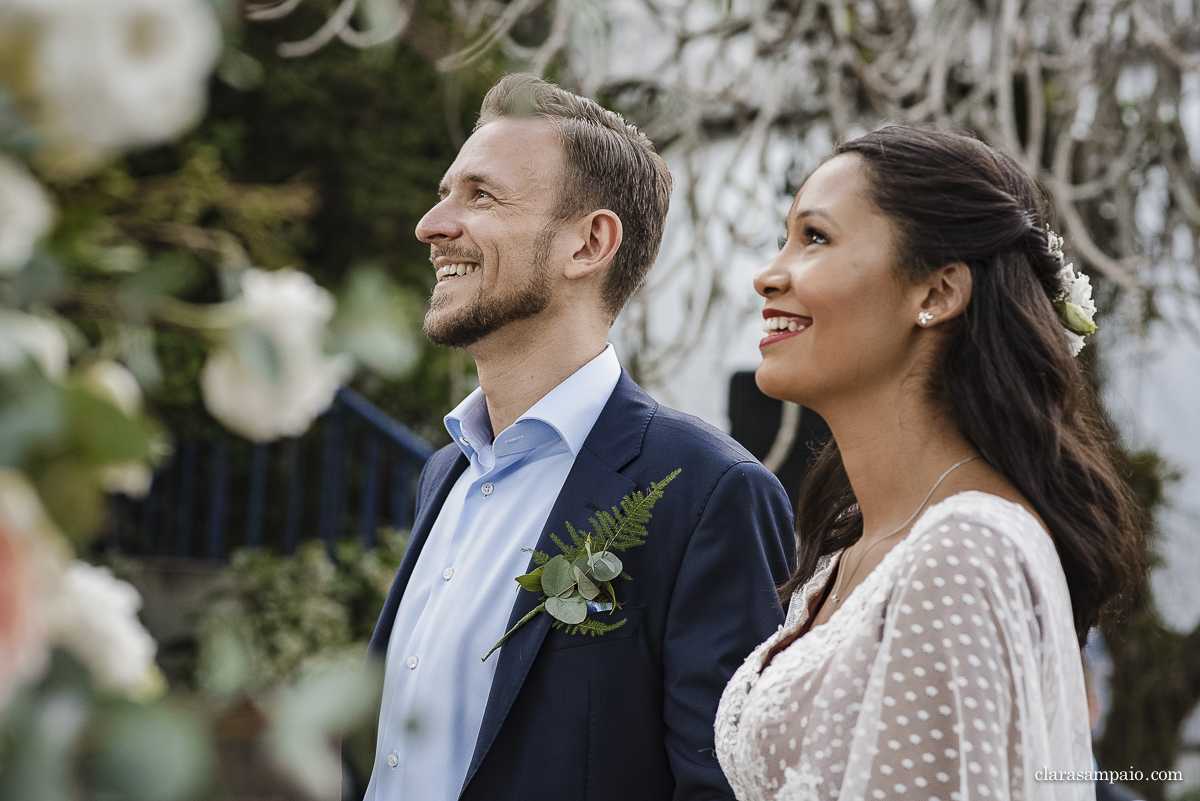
(483, 316)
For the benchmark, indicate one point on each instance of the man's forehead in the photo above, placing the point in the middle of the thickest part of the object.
(508, 151)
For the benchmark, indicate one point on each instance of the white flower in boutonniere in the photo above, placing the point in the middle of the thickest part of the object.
(1074, 303)
(580, 579)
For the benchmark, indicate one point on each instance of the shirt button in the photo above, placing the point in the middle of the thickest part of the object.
(487, 489)
(393, 760)
(412, 663)
(447, 573)
(464, 441)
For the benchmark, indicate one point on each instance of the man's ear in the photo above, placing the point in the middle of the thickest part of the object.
(943, 295)
(601, 233)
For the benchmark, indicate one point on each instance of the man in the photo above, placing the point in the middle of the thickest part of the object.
(549, 220)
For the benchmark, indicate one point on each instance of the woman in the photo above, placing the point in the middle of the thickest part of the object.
(965, 527)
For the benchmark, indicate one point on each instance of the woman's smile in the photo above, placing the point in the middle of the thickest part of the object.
(780, 325)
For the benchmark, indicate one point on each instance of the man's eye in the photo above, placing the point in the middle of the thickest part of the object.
(781, 241)
(482, 193)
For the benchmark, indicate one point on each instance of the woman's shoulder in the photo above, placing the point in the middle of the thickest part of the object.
(971, 519)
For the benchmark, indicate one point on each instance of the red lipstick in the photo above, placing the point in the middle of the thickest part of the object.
(803, 324)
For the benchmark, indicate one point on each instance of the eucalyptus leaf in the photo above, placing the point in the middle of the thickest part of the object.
(606, 566)
(587, 587)
(532, 581)
(569, 610)
(557, 576)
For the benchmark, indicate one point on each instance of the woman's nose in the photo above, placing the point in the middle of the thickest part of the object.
(771, 279)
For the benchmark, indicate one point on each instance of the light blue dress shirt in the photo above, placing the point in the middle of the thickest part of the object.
(462, 590)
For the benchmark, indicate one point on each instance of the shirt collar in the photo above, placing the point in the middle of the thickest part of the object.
(570, 409)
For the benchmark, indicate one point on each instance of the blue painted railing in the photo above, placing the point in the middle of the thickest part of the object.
(234, 493)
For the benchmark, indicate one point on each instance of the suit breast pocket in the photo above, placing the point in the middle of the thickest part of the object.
(559, 639)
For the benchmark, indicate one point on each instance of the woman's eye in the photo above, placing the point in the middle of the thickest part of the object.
(815, 236)
(782, 241)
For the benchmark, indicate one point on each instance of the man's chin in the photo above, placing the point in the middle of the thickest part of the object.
(453, 333)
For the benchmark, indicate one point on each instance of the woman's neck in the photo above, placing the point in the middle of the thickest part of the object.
(894, 447)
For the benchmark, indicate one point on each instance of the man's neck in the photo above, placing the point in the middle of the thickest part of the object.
(517, 369)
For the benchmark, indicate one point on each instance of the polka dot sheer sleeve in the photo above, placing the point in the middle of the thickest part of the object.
(951, 673)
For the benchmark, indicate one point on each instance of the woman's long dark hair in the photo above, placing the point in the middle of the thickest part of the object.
(1009, 377)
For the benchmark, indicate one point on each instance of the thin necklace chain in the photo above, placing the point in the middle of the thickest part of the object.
(837, 587)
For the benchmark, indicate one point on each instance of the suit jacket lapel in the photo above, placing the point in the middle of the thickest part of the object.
(431, 505)
(614, 441)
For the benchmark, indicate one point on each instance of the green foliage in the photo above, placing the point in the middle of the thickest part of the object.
(60, 730)
(580, 575)
(277, 613)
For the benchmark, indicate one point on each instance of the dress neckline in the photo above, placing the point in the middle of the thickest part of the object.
(804, 595)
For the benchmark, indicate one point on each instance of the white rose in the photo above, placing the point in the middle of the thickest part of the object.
(97, 622)
(113, 382)
(30, 559)
(25, 215)
(114, 74)
(263, 396)
(24, 336)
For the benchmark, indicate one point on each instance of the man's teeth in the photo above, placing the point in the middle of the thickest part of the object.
(460, 268)
(776, 325)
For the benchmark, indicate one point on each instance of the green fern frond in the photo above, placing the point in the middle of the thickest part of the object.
(562, 546)
(592, 628)
(626, 527)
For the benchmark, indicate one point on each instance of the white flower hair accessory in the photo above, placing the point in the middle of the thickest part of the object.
(1074, 302)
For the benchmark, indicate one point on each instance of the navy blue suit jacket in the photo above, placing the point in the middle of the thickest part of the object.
(629, 715)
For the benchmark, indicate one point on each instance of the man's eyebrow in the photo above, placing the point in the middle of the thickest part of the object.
(471, 178)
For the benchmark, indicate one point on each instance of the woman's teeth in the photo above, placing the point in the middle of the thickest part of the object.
(776, 325)
(461, 268)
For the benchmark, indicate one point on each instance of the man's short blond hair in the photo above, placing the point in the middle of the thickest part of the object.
(610, 164)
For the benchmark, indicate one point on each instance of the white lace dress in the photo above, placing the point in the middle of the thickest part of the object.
(951, 673)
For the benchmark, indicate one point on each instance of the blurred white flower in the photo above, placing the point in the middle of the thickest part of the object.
(24, 336)
(271, 378)
(113, 382)
(25, 215)
(115, 74)
(30, 573)
(97, 622)
(127, 478)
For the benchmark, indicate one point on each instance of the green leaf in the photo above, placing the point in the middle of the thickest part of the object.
(102, 432)
(537, 610)
(557, 577)
(586, 587)
(612, 593)
(572, 609)
(606, 566)
(532, 581)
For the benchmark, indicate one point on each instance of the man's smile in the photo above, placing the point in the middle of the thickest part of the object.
(453, 270)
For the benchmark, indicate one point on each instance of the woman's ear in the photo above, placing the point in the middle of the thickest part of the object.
(943, 295)
(601, 233)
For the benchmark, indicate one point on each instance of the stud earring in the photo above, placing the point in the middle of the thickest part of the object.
(925, 318)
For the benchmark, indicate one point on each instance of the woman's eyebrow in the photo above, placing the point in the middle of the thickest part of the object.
(802, 213)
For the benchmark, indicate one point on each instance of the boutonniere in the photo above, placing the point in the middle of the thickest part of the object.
(581, 577)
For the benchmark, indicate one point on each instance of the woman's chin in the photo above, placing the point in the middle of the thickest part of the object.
(778, 383)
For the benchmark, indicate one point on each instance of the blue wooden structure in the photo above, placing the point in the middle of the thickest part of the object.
(352, 473)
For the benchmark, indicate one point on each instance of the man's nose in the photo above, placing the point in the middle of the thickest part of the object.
(439, 224)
